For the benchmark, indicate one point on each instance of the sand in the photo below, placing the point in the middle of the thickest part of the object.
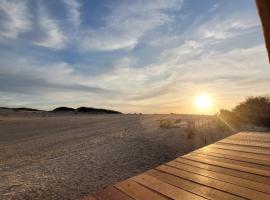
(69, 156)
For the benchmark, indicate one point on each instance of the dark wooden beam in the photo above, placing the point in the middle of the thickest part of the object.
(264, 12)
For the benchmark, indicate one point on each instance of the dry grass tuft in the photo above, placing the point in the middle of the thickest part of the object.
(166, 123)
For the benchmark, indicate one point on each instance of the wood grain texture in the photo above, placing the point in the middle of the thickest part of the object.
(228, 165)
(201, 190)
(111, 193)
(164, 188)
(137, 191)
(231, 172)
(222, 177)
(250, 149)
(237, 155)
(232, 161)
(213, 183)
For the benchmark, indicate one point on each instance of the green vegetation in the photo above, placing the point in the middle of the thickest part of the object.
(253, 111)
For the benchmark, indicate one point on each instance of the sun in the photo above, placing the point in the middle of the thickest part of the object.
(203, 102)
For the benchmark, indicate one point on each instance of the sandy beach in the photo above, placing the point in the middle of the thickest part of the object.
(68, 156)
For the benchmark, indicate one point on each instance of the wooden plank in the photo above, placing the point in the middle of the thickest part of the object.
(201, 190)
(231, 172)
(252, 139)
(222, 177)
(231, 161)
(253, 135)
(249, 138)
(246, 143)
(165, 188)
(220, 185)
(137, 191)
(241, 148)
(244, 159)
(258, 158)
(229, 165)
(111, 193)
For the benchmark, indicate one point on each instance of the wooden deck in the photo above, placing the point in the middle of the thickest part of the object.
(235, 168)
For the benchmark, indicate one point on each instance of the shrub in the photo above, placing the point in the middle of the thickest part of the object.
(177, 121)
(254, 110)
(165, 123)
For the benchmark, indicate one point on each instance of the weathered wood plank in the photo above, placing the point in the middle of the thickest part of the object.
(246, 143)
(165, 188)
(137, 191)
(231, 172)
(190, 186)
(232, 161)
(222, 177)
(250, 157)
(250, 138)
(242, 148)
(111, 193)
(253, 134)
(220, 185)
(229, 165)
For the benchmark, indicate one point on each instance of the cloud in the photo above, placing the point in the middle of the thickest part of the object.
(222, 26)
(14, 18)
(19, 22)
(30, 76)
(33, 85)
(73, 7)
(127, 23)
(50, 35)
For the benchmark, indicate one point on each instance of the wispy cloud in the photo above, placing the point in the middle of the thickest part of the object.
(51, 35)
(73, 7)
(127, 23)
(14, 18)
(224, 28)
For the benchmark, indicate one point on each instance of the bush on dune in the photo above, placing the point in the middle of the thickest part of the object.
(254, 110)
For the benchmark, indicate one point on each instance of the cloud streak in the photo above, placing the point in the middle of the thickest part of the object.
(14, 18)
(128, 23)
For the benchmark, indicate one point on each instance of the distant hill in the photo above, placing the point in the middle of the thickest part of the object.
(64, 109)
(96, 110)
(20, 109)
(86, 110)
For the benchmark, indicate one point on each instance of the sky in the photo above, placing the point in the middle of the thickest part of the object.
(151, 56)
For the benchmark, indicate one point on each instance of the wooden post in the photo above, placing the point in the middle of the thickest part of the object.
(264, 12)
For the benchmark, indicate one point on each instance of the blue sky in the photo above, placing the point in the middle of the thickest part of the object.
(134, 56)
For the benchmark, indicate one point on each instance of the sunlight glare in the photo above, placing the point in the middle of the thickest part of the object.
(203, 102)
